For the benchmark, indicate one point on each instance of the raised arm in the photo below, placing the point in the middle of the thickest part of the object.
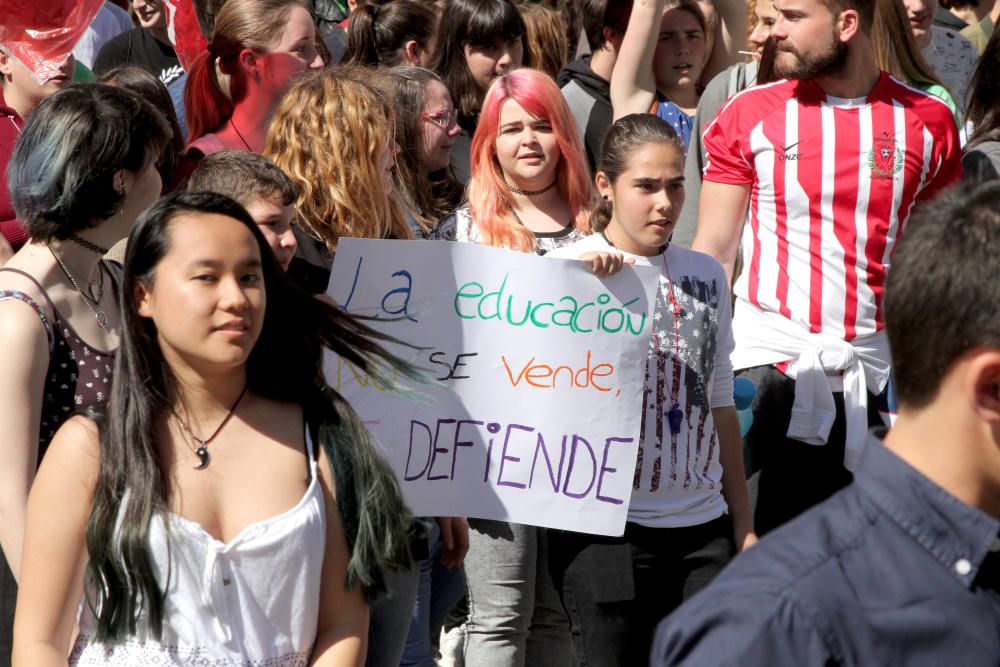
(24, 360)
(55, 546)
(730, 35)
(722, 210)
(633, 87)
(342, 630)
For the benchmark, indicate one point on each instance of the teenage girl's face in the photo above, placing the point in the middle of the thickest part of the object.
(646, 199)
(294, 53)
(207, 299)
(437, 131)
(680, 54)
(274, 219)
(766, 15)
(526, 147)
(488, 63)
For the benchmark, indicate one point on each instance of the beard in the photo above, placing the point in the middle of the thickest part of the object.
(811, 65)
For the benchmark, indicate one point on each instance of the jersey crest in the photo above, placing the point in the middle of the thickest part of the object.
(885, 158)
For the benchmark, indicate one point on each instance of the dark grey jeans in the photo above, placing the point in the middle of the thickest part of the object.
(616, 589)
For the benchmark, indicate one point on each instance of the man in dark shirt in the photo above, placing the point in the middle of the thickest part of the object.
(903, 566)
(147, 46)
(585, 82)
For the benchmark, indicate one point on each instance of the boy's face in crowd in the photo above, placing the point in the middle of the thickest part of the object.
(275, 221)
(766, 16)
(20, 86)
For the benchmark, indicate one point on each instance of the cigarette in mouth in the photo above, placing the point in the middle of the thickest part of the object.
(747, 53)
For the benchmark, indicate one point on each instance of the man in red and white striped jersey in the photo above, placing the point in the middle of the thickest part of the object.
(822, 169)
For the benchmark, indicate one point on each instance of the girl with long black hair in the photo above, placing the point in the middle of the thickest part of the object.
(478, 41)
(83, 169)
(230, 507)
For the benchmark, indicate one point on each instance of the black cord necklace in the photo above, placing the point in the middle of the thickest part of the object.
(532, 193)
(201, 450)
(240, 135)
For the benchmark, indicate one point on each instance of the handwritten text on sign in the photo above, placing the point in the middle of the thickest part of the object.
(540, 365)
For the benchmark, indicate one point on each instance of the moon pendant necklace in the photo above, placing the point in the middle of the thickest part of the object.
(204, 458)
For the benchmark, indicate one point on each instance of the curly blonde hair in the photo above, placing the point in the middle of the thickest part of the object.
(328, 134)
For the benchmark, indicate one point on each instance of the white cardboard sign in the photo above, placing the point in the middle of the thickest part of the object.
(539, 369)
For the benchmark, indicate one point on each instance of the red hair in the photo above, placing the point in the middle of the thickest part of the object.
(215, 83)
(490, 200)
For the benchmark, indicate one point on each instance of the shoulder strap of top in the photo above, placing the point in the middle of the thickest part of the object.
(21, 296)
(312, 451)
(37, 284)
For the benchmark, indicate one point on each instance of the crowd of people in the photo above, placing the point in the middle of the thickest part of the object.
(179, 484)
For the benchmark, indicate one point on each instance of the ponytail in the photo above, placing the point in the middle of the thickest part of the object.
(600, 216)
(207, 105)
(361, 36)
(378, 35)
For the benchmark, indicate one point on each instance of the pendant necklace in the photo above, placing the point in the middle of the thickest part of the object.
(204, 458)
(93, 301)
(675, 415)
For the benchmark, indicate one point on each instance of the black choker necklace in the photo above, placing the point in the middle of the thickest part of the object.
(532, 193)
(84, 243)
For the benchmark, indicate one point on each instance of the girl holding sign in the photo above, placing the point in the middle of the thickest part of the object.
(230, 508)
(530, 191)
(689, 510)
(530, 186)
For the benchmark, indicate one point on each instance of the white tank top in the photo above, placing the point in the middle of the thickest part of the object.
(252, 601)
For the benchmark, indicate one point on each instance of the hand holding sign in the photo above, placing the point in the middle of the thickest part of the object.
(536, 417)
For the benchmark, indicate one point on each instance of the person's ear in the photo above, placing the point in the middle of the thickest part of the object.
(613, 37)
(982, 383)
(412, 52)
(604, 186)
(848, 24)
(250, 63)
(143, 300)
(6, 66)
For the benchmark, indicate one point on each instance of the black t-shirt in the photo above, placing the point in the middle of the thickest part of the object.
(138, 47)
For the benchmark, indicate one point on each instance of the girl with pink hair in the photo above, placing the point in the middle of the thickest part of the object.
(529, 191)
(530, 187)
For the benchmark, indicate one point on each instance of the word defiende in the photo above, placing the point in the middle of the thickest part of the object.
(516, 456)
(472, 301)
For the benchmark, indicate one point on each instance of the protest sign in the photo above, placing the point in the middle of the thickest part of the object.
(41, 35)
(538, 366)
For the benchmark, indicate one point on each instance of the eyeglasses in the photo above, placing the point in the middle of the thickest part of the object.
(443, 119)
